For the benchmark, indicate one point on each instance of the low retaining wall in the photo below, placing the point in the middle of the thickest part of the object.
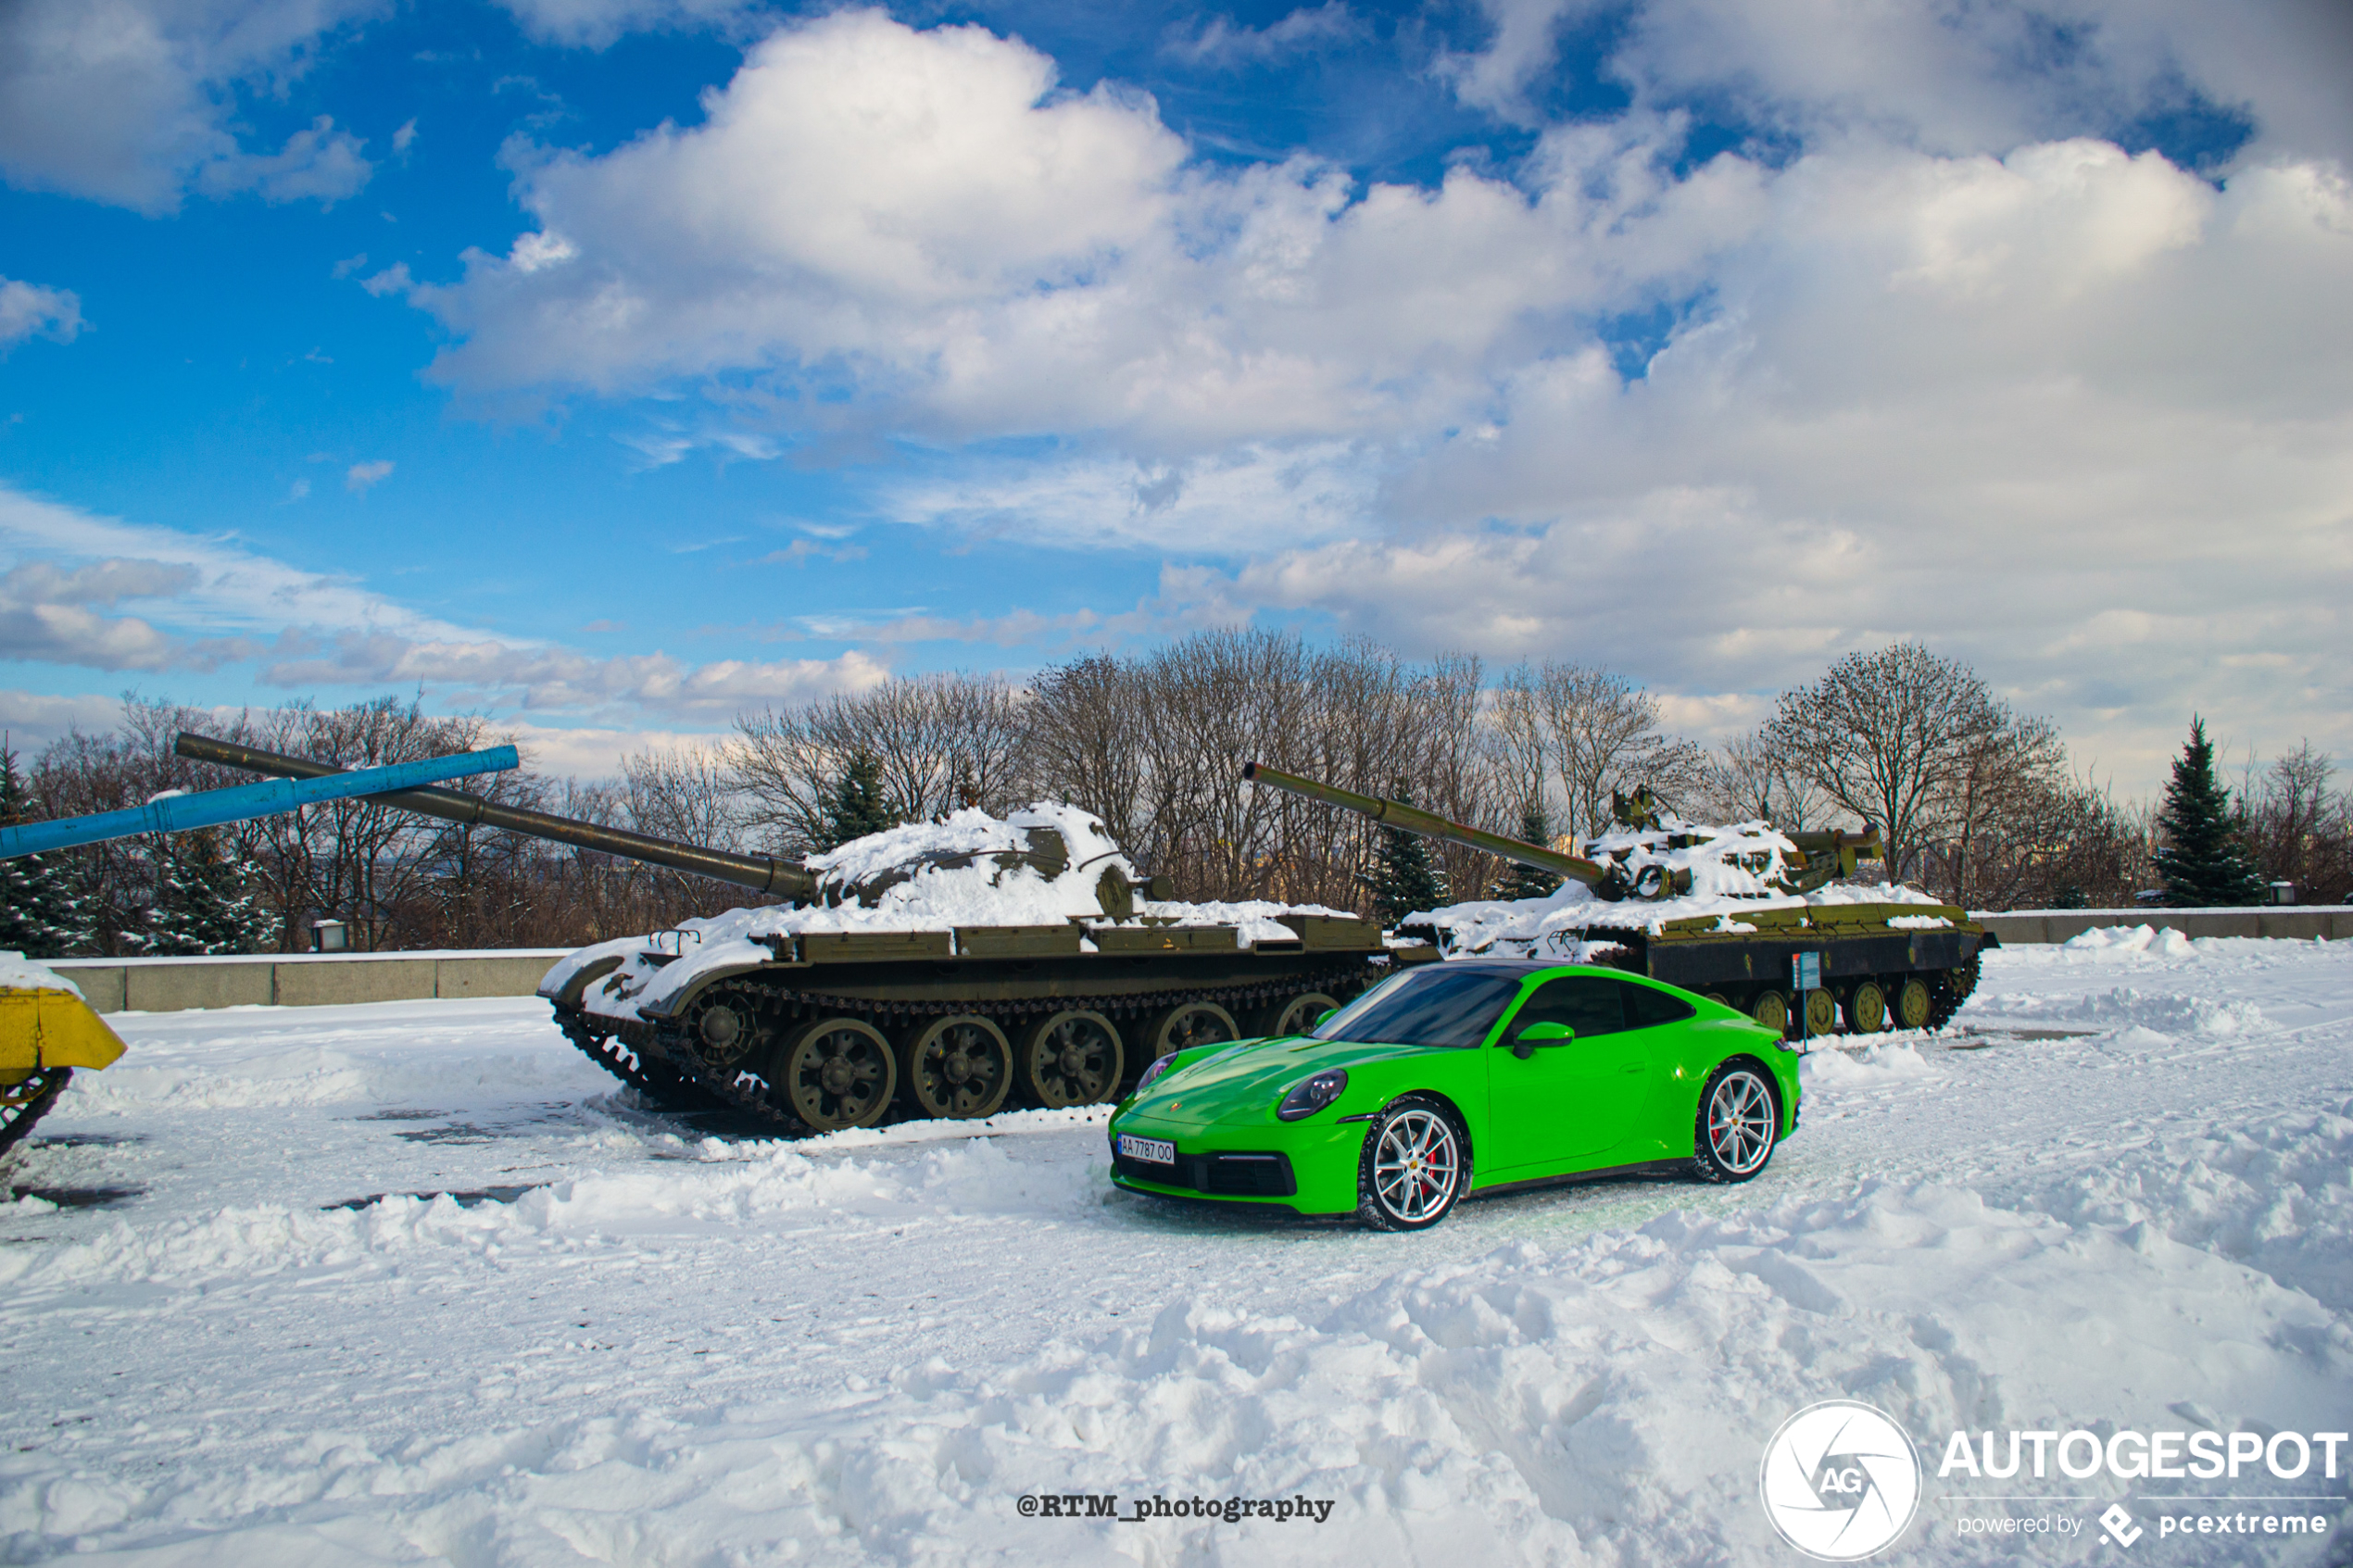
(2299, 921)
(303, 980)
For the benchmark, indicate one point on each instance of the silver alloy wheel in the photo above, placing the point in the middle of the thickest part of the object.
(1740, 1122)
(1416, 1165)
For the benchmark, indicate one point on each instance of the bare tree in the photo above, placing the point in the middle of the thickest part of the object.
(1749, 778)
(1889, 736)
(2300, 830)
(1605, 739)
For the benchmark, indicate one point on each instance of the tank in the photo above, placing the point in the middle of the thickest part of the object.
(1724, 911)
(940, 970)
(47, 1032)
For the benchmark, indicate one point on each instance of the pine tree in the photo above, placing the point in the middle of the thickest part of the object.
(205, 903)
(1528, 882)
(854, 806)
(1404, 880)
(39, 914)
(2203, 862)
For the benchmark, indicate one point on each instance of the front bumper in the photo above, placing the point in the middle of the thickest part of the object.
(1314, 1174)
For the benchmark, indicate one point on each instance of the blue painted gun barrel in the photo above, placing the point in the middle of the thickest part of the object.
(210, 808)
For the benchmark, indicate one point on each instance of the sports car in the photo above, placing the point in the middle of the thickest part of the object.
(1452, 1079)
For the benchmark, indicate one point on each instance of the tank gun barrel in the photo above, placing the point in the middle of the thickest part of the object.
(1430, 824)
(759, 873)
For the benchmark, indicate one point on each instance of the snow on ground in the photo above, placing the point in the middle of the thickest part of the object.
(2117, 1197)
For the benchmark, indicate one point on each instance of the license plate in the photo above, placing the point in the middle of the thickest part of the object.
(1150, 1151)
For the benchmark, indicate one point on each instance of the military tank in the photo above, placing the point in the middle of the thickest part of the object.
(46, 1032)
(1720, 911)
(946, 969)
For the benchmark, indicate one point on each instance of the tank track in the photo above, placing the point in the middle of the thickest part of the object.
(23, 1104)
(608, 1050)
(744, 1092)
(1953, 988)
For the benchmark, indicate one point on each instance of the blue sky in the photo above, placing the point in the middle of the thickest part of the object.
(614, 365)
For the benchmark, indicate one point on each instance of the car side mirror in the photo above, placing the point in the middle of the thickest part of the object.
(1546, 1033)
(1324, 1017)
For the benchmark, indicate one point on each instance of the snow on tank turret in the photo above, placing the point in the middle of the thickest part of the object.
(951, 969)
(46, 1031)
(1719, 911)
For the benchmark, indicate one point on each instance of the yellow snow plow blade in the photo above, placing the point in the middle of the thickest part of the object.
(42, 1029)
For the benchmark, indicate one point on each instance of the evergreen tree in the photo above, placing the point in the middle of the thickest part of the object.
(1404, 880)
(2203, 862)
(854, 805)
(205, 903)
(39, 914)
(1527, 882)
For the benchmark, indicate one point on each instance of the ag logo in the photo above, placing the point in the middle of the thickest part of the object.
(1840, 1480)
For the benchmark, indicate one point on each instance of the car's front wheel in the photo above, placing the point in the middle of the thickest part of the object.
(1416, 1165)
(1738, 1121)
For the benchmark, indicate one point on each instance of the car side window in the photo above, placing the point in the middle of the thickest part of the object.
(1646, 1008)
(1587, 1003)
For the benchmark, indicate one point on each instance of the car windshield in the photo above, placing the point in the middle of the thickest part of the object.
(1439, 1005)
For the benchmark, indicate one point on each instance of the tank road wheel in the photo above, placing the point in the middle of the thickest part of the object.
(1771, 1010)
(1821, 1014)
(1720, 999)
(1184, 1026)
(28, 1100)
(838, 1073)
(1071, 1059)
(956, 1068)
(1912, 1004)
(722, 1030)
(1867, 1009)
(1738, 1121)
(1294, 1017)
(1415, 1165)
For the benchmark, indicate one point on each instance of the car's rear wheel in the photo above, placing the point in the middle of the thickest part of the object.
(1738, 1121)
(1416, 1165)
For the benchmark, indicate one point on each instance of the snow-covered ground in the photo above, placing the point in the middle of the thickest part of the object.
(2116, 1198)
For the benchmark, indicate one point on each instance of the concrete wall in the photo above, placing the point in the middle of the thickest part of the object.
(2299, 921)
(303, 980)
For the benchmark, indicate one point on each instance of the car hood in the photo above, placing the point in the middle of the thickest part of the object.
(1244, 1081)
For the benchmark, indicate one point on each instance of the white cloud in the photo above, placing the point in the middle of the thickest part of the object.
(2081, 416)
(1522, 47)
(1221, 41)
(406, 136)
(1986, 76)
(596, 23)
(207, 602)
(317, 164)
(132, 101)
(27, 309)
(32, 720)
(919, 221)
(360, 477)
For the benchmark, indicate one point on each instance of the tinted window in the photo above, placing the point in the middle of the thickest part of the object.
(1438, 1005)
(1587, 1003)
(1646, 1008)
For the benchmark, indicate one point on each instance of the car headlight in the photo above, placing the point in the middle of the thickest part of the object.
(1311, 1095)
(1154, 1072)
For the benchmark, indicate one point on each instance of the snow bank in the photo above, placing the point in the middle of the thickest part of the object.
(20, 974)
(1603, 1401)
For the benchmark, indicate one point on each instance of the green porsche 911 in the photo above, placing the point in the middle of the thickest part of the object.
(1464, 1077)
